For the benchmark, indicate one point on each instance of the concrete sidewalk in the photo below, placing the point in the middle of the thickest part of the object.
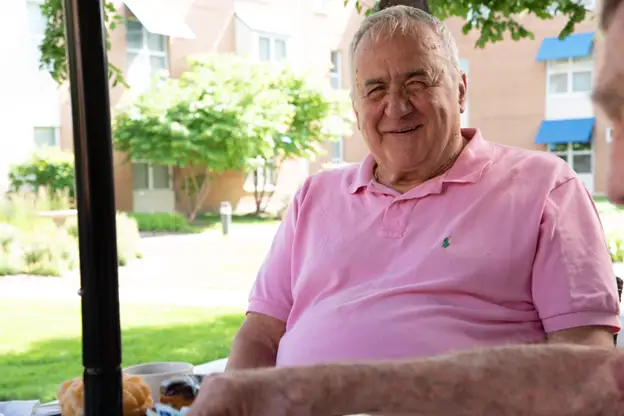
(49, 288)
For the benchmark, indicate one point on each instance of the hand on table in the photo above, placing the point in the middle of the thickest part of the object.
(247, 393)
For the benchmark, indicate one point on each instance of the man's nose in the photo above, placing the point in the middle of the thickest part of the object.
(398, 104)
(615, 188)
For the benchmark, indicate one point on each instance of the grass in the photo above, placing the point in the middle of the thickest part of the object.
(41, 344)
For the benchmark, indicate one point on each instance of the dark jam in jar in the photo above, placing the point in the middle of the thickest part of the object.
(179, 392)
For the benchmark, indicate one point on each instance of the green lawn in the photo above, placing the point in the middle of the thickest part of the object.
(41, 347)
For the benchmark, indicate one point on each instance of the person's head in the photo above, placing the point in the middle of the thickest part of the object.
(609, 91)
(408, 91)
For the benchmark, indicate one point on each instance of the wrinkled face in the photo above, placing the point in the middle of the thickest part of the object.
(408, 98)
(609, 96)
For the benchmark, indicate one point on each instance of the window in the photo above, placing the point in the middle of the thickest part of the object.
(589, 4)
(322, 6)
(36, 31)
(271, 49)
(558, 83)
(335, 72)
(146, 54)
(266, 177)
(578, 155)
(46, 136)
(609, 134)
(570, 76)
(581, 81)
(147, 177)
(337, 150)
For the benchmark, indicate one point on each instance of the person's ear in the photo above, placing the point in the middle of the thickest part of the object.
(463, 88)
(355, 111)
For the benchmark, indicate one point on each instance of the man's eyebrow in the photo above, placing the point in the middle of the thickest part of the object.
(408, 75)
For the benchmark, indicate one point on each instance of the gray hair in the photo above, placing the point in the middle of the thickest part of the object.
(402, 19)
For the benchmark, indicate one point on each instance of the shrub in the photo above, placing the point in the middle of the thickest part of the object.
(49, 253)
(48, 168)
(128, 238)
(161, 222)
(9, 263)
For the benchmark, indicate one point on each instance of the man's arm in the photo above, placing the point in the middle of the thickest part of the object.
(522, 380)
(573, 285)
(597, 336)
(255, 344)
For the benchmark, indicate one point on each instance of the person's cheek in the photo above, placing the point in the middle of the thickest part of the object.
(615, 187)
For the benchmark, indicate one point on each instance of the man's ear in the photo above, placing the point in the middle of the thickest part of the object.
(357, 114)
(463, 89)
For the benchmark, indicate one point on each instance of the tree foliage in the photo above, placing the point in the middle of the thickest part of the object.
(54, 46)
(226, 114)
(491, 19)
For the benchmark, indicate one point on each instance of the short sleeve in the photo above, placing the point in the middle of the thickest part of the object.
(272, 291)
(573, 280)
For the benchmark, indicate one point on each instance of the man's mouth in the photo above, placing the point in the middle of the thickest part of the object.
(405, 130)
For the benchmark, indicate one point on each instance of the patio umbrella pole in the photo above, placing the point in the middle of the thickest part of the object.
(101, 335)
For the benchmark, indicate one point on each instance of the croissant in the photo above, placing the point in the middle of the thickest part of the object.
(137, 398)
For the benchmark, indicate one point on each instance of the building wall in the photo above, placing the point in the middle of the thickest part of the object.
(507, 86)
(219, 26)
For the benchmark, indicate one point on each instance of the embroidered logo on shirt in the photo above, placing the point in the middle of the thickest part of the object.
(446, 242)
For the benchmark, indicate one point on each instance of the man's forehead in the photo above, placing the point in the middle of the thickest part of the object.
(417, 39)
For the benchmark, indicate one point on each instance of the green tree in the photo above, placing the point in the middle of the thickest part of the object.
(320, 115)
(491, 19)
(53, 45)
(211, 120)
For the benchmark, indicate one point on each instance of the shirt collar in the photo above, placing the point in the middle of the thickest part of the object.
(468, 168)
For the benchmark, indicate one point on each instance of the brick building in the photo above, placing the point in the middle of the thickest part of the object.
(530, 93)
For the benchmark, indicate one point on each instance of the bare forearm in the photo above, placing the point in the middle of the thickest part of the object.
(530, 380)
(256, 342)
(248, 354)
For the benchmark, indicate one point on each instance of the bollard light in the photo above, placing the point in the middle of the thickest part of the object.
(226, 217)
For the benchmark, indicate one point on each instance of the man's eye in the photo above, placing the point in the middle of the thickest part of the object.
(375, 90)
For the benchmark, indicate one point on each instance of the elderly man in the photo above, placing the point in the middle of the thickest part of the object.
(439, 241)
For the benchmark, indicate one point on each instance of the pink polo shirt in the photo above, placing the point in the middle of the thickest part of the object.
(503, 248)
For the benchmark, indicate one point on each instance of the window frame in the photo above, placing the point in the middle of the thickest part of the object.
(322, 6)
(569, 153)
(272, 39)
(32, 37)
(335, 72)
(57, 136)
(270, 186)
(569, 67)
(150, 177)
(337, 157)
(145, 51)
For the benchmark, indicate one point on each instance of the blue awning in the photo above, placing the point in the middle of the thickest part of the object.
(577, 45)
(576, 130)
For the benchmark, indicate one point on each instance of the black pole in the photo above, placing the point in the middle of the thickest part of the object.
(101, 335)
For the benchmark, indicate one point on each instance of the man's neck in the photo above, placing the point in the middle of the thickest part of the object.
(404, 182)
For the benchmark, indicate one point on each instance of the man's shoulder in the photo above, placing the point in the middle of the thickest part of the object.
(332, 179)
(534, 163)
